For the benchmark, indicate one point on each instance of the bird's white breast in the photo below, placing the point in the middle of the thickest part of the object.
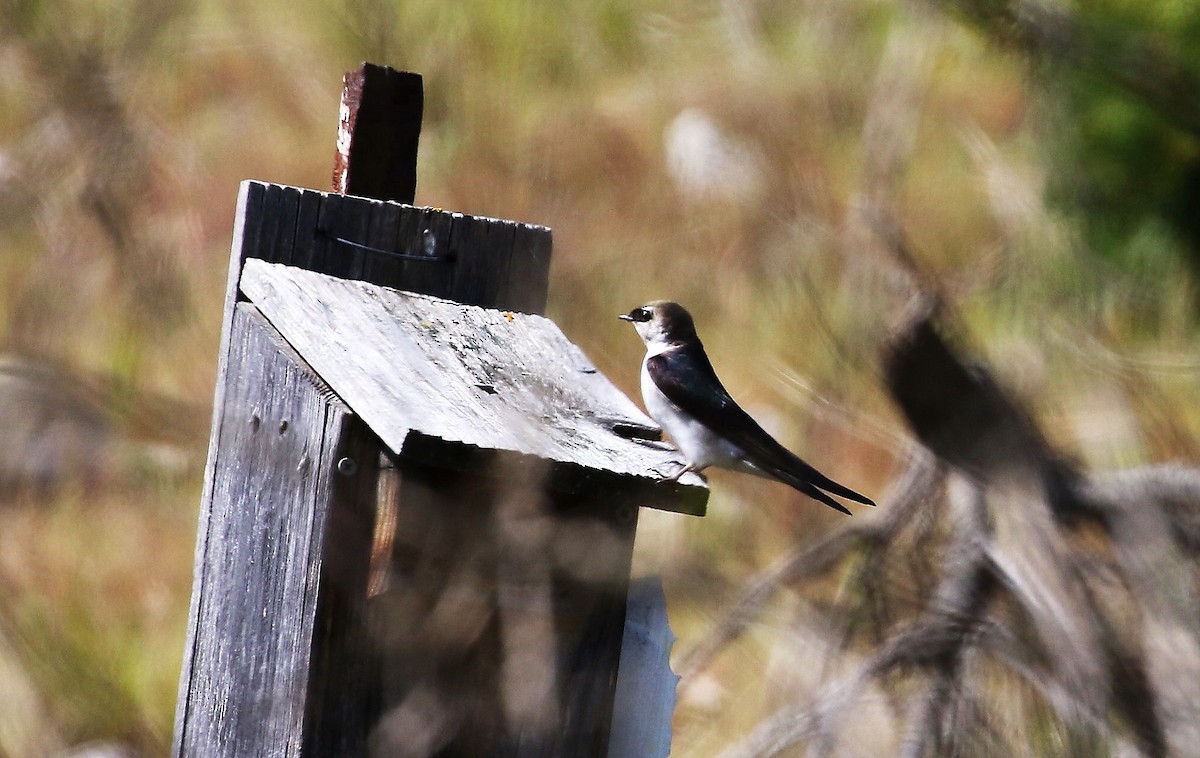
(700, 445)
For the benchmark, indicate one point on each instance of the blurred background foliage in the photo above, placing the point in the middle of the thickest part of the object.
(1041, 160)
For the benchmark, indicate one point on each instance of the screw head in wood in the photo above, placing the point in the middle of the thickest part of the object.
(347, 467)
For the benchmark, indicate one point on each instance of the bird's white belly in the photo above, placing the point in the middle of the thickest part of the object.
(700, 445)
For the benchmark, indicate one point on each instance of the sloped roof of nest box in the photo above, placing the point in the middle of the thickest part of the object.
(422, 371)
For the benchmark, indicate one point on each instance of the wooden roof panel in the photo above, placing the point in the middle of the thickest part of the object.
(496, 380)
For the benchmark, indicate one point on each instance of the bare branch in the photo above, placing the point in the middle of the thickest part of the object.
(897, 511)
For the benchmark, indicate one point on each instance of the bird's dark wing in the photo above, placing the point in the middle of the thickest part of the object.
(686, 377)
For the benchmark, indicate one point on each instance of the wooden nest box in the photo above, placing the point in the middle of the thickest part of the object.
(419, 507)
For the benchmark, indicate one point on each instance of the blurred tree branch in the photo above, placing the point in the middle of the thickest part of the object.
(1018, 579)
(900, 509)
(1142, 67)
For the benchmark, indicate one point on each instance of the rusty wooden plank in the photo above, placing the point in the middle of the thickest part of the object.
(378, 132)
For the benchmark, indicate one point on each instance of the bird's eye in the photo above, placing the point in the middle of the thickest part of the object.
(643, 314)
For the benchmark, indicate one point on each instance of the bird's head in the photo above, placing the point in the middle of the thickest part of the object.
(661, 322)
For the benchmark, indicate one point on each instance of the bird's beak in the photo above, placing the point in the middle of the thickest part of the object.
(625, 317)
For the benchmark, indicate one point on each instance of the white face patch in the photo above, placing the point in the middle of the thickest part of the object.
(651, 331)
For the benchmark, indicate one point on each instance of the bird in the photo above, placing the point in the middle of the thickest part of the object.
(684, 396)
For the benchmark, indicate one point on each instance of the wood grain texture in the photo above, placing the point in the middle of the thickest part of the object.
(245, 687)
(245, 227)
(472, 259)
(378, 131)
(488, 379)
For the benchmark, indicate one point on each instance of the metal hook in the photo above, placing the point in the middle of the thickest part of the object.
(428, 248)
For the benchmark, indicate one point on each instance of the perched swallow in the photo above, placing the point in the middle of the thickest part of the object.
(683, 394)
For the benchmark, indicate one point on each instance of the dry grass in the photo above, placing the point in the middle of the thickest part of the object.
(95, 595)
(123, 136)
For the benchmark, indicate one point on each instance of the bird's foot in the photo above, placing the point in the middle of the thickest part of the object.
(686, 469)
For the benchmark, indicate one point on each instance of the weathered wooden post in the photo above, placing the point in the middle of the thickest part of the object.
(418, 513)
